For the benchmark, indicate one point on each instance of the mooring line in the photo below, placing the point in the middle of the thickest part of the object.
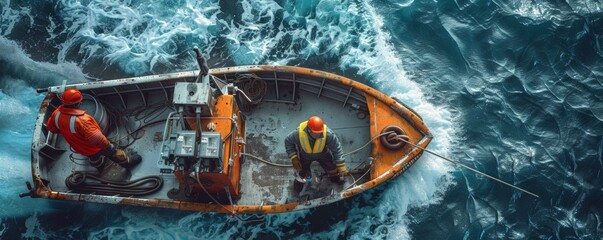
(470, 168)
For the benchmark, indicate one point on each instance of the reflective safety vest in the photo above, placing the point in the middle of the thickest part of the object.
(80, 130)
(319, 144)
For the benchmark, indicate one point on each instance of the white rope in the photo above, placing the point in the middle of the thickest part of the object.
(343, 155)
(404, 139)
(372, 139)
(470, 168)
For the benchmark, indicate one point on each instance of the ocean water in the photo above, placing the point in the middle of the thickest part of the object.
(512, 88)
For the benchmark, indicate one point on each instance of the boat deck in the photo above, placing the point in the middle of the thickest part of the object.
(267, 124)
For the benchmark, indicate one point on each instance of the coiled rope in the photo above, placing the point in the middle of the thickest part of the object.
(253, 88)
(84, 182)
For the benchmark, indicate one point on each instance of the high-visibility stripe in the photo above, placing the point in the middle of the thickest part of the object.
(56, 120)
(319, 144)
(72, 123)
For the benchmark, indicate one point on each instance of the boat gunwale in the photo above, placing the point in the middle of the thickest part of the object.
(40, 190)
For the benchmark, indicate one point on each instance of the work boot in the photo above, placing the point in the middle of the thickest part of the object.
(98, 162)
(337, 179)
(130, 161)
(112, 172)
(298, 186)
(298, 183)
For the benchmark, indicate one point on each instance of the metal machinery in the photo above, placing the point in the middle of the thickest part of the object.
(202, 141)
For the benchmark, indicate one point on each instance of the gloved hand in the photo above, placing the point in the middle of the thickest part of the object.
(120, 155)
(296, 163)
(341, 169)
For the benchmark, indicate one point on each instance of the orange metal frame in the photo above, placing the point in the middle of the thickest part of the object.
(225, 109)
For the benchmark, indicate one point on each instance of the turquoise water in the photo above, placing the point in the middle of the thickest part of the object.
(511, 88)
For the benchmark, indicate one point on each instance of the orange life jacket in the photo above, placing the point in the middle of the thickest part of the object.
(80, 130)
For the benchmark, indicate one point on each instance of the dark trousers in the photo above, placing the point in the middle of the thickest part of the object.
(327, 164)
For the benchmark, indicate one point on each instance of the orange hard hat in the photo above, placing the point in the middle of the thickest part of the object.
(72, 96)
(316, 124)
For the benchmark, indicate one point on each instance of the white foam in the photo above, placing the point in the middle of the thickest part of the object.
(420, 185)
(349, 32)
(34, 228)
(402, 3)
(11, 107)
(19, 104)
(18, 101)
(138, 37)
(334, 33)
(15, 159)
(386, 69)
(252, 39)
(21, 66)
(10, 17)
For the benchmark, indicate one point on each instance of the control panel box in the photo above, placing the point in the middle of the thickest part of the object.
(185, 145)
(211, 145)
(192, 95)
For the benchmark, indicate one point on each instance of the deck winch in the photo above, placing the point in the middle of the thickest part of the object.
(200, 144)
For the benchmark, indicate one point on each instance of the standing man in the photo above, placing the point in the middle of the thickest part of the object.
(313, 141)
(83, 133)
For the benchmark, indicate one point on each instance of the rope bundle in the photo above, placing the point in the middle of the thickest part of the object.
(83, 182)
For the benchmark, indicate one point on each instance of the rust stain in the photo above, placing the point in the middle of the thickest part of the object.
(259, 148)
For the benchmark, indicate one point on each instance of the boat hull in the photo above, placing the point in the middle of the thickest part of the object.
(356, 112)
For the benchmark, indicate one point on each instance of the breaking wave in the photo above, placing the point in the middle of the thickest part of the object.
(510, 88)
(103, 39)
